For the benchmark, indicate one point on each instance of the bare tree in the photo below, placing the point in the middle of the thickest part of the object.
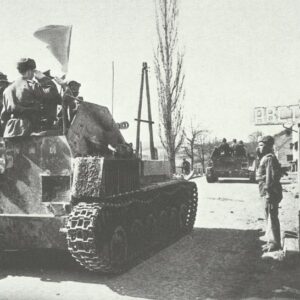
(253, 141)
(203, 147)
(254, 136)
(194, 137)
(168, 61)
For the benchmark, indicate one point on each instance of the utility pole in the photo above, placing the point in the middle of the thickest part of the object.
(144, 77)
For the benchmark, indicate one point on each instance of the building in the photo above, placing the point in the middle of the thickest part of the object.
(284, 147)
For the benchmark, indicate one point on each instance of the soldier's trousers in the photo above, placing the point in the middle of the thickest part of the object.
(273, 225)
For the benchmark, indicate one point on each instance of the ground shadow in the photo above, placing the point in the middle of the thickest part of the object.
(209, 263)
(225, 180)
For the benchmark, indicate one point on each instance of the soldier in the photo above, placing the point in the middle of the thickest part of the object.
(233, 147)
(22, 100)
(224, 148)
(186, 167)
(240, 149)
(269, 174)
(49, 101)
(70, 98)
(3, 85)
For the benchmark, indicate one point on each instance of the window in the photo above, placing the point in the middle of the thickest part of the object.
(289, 157)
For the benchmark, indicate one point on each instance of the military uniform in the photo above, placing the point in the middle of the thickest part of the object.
(22, 102)
(186, 167)
(268, 176)
(224, 149)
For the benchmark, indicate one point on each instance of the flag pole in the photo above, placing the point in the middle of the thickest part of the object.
(112, 88)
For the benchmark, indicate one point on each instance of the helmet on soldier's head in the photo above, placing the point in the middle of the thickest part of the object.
(267, 140)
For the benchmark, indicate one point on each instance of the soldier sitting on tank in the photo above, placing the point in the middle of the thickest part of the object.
(50, 100)
(215, 153)
(240, 149)
(224, 148)
(71, 99)
(23, 99)
(4, 83)
(233, 147)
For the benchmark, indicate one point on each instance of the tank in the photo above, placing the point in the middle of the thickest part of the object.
(106, 207)
(231, 167)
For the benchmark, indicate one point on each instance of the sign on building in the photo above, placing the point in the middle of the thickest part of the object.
(276, 115)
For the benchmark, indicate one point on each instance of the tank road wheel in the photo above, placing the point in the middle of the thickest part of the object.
(89, 242)
(119, 248)
(163, 225)
(137, 236)
(174, 222)
(150, 230)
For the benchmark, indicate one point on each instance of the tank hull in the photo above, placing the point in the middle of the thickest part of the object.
(231, 167)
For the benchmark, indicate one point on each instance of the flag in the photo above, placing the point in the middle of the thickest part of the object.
(58, 40)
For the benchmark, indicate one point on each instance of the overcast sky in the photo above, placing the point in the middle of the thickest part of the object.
(238, 54)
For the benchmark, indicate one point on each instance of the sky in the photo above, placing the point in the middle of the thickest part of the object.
(238, 55)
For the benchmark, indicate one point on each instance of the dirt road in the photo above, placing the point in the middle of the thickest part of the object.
(221, 259)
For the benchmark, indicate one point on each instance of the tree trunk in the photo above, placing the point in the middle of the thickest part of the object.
(192, 156)
(172, 163)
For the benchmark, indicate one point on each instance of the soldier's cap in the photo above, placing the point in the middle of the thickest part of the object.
(47, 73)
(25, 64)
(267, 140)
(73, 82)
(3, 77)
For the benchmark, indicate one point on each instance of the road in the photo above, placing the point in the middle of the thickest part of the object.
(220, 259)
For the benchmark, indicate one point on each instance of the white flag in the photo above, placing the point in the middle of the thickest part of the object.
(58, 40)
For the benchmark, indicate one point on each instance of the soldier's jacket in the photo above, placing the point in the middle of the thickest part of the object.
(22, 101)
(224, 149)
(268, 176)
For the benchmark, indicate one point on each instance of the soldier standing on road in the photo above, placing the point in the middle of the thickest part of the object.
(186, 167)
(269, 174)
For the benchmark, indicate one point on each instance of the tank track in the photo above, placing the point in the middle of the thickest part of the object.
(111, 235)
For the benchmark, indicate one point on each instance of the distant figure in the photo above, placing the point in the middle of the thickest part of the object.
(224, 148)
(233, 147)
(186, 167)
(240, 149)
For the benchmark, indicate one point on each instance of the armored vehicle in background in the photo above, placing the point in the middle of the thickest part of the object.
(231, 167)
(69, 191)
